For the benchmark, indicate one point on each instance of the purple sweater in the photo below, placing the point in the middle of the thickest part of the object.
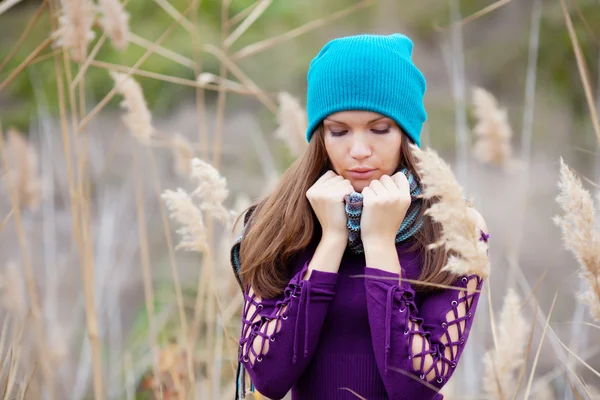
(335, 333)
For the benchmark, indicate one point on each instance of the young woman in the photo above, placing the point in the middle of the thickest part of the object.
(326, 312)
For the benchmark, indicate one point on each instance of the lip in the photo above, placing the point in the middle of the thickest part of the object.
(361, 173)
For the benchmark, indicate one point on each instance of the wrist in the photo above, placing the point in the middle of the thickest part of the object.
(377, 243)
(335, 238)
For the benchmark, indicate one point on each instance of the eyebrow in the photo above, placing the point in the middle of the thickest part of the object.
(343, 123)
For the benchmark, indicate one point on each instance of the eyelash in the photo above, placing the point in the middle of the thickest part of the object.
(378, 132)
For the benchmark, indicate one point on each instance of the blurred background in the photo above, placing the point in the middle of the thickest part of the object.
(95, 299)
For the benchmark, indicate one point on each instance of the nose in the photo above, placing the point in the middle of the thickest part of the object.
(360, 148)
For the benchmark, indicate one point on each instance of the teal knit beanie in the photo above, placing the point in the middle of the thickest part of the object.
(369, 73)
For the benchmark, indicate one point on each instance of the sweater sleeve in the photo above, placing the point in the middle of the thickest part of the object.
(423, 345)
(279, 336)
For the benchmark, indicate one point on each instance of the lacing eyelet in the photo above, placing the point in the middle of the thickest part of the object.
(453, 365)
(444, 325)
(462, 341)
(405, 332)
(260, 306)
(422, 376)
(272, 339)
(402, 309)
(440, 380)
(284, 317)
(465, 280)
(454, 302)
(470, 314)
(245, 359)
(259, 359)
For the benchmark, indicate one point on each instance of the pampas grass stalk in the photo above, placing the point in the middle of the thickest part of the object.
(263, 45)
(174, 270)
(162, 51)
(169, 78)
(83, 67)
(115, 22)
(293, 123)
(460, 234)
(28, 60)
(102, 103)
(503, 362)
(75, 32)
(30, 278)
(492, 130)
(580, 235)
(145, 264)
(25, 173)
(183, 152)
(138, 118)
(247, 22)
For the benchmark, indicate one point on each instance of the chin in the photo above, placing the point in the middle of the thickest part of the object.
(359, 186)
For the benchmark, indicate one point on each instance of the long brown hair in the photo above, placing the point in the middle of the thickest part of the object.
(283, 223)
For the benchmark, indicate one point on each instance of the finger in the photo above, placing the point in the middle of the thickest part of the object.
(401, 181)
(333, 181)
(378, 187)
(389, 183)
(326, 176)
(368, 195)
(344, 186)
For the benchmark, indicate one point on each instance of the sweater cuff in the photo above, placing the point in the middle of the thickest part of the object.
(323, 278)
(379, 273)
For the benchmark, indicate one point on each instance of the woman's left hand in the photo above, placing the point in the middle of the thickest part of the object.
(385, 202)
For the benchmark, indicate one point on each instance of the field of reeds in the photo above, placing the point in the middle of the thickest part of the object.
(118, 211)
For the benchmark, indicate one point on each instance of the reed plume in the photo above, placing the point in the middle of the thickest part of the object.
(24, 172)
(75, 27)
(460, 234)
(579, 234)
(492, 130)
(293, 123)
(137, 118)
(502, 364)
(115, 22)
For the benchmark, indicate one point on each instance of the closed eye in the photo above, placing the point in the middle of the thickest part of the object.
(380, 131)
(337, 133)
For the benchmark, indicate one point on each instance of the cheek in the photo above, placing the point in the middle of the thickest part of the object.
(389, 152)
(333, 152)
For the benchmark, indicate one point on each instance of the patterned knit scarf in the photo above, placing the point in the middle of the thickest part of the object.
(410, 224)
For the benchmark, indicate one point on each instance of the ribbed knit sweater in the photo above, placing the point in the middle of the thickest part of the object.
(338, 333)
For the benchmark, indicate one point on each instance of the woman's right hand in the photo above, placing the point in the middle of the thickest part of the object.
(326, 197)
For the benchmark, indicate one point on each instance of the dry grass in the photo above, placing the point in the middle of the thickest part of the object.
(502, 363)
(492, 130)
(75, 32)
(293, 123)
(580, 235)
(460, 234)
(138, 118)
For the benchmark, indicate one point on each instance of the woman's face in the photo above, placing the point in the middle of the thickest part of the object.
(362, 146)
